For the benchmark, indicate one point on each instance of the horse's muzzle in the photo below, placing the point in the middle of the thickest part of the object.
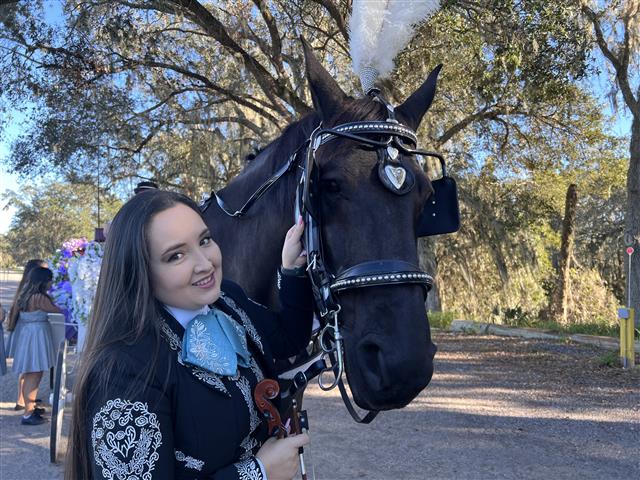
(385, 376)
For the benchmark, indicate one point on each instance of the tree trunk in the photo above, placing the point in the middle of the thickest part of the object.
(558, 301)
(429, 263)
(633, 218)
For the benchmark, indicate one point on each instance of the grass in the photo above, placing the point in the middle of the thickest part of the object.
(610, 359)
(596, 328)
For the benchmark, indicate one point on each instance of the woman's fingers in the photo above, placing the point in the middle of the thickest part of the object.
(295, 232)
(297, 441)
(280, 457)
(293, 254)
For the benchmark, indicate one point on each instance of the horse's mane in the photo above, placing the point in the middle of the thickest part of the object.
(276, 153)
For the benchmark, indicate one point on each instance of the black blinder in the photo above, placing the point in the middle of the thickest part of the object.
(441, 213)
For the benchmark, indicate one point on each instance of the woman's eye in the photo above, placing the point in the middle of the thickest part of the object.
(206, 241)
(176, 256)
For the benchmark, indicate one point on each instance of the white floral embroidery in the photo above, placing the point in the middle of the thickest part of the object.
(246, 322)
(128, 452)
(248, 444)
(248, 470)
(202, 341)
(202, 375)
(257, 371)
(171, 336)
(245, 388)
(190, 462)
(242, 334)
(210, 378)
(204, 347)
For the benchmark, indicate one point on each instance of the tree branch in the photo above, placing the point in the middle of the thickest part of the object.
(336, 14)
(620, 65)
(276, 43)
(201, 16)
(484, 114)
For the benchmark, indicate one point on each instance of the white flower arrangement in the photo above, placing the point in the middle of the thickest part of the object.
(84, 272)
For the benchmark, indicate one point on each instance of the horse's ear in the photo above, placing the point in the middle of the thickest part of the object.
(414, 107)
(327, 95)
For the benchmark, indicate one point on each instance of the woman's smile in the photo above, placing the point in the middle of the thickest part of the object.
(207, 282)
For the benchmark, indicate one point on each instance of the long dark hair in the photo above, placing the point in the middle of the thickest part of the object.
(14, 311)
(124, 310)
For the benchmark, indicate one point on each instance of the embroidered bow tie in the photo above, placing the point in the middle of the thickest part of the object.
(215, 343)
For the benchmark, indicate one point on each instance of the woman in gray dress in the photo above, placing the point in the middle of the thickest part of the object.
(28, 268)
(32, 347)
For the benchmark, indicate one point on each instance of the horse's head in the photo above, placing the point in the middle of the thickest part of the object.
(387, 338)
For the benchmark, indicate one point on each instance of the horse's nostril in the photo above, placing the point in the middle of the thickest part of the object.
(373, 366)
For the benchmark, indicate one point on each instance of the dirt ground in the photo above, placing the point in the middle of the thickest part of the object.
(497, 408)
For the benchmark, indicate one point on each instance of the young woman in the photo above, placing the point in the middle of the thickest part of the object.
(174, 353)
(13, 313)
(31, 347)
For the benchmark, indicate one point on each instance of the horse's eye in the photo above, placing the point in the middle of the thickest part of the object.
(330, 186)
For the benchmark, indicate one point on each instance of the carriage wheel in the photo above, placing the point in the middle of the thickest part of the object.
(59, 397)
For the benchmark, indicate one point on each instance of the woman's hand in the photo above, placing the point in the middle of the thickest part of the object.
(280, 456)
(293, 254)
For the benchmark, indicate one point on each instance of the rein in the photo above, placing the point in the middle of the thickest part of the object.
(326, 286)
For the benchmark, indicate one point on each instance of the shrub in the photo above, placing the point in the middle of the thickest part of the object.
(441, 320)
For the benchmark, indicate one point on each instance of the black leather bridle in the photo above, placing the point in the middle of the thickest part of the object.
(392, 141)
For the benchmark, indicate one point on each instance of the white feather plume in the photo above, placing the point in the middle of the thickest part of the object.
(379, 30)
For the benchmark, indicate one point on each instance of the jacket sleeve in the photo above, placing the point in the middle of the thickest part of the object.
(131, 429)
(288, 330)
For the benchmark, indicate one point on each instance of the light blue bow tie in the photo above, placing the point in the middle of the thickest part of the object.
(216, 343)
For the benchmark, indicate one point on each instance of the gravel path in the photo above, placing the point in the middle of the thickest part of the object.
(497, 408)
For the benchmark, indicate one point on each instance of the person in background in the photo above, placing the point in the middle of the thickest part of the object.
(29, 266)
(174, 353)
(32, 346)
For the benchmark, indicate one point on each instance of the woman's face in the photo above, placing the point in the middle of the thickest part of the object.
(185, 264)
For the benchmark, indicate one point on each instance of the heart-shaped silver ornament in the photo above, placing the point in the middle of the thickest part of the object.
(392, 152)
(396, 175)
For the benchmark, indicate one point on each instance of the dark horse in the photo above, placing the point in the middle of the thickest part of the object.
(387, 339)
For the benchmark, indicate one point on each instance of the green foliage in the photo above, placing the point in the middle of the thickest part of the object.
(6, 259)
(48, 215)
(441, 320)
(610, 359)
(517, 317)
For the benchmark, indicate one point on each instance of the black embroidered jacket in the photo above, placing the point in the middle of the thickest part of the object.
(189, 423)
